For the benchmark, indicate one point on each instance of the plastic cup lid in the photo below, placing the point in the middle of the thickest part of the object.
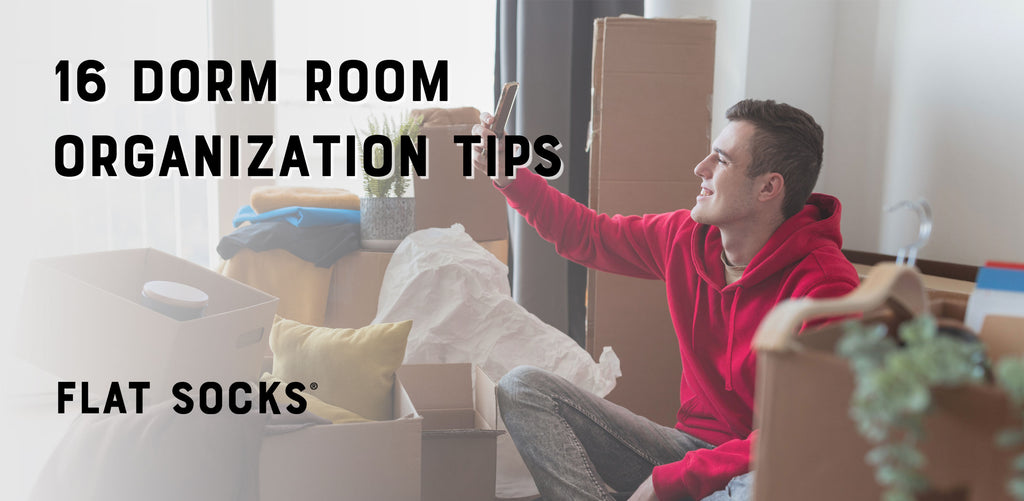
(174, 293)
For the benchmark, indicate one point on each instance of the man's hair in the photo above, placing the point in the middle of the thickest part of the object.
(786, 140)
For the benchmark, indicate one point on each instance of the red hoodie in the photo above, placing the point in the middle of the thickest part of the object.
(714, 322)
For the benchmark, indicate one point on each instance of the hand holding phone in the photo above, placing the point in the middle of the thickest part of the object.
(504, 109)
(488, 162)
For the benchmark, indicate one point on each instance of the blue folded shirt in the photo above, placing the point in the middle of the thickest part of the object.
(301, 217)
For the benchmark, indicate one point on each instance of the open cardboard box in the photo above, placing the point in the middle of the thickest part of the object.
(377, 460)
(809, 447)
(82, 319)
(460, 414)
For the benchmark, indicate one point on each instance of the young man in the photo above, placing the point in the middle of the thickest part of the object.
(755, 236)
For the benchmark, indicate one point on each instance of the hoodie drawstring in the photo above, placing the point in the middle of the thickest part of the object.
(732, 333)
(693, 326)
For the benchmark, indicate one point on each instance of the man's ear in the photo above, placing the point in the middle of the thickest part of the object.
(772, 186)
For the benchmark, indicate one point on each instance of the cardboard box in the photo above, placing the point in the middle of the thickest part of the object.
(82, 319)
(809, 447)
(445, 196)
(378, 460)
(356, 281)
(651, 121)
(460, 414)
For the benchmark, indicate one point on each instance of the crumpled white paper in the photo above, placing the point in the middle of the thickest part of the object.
(457, 295)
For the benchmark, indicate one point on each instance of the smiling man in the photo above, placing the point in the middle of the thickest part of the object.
(755, 236)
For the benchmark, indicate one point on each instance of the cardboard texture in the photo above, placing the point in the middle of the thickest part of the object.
(460, 414)
(445, 196)
(809, 448)
(356, 280)
(356, 461)
(650, 124)
(82, 319)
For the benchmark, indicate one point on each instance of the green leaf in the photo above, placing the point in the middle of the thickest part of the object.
(1016, 487)
(1010, 438)
(898, 495)
(893, 392)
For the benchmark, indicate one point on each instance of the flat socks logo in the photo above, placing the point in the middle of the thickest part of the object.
(210, 398)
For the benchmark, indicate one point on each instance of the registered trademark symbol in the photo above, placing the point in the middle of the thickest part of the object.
(313, 386)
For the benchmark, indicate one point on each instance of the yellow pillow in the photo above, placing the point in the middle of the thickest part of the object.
(352, 368)
(319, 408)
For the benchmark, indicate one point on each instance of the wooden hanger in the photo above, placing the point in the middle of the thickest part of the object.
(898, 285)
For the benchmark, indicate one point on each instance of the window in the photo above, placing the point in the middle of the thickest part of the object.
(459, 31)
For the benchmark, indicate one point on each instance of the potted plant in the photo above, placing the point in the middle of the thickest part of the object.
(386, 214)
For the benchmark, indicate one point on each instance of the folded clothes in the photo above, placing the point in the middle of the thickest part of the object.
(302, 217)
(268, 198)
(320, 245)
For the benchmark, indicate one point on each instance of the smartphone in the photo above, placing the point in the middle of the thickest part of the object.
(504, 109)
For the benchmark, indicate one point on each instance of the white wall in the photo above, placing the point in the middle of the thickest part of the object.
(957, 124)
(918, 98)
(732, 34)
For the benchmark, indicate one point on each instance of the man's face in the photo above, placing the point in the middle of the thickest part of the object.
(727, 195)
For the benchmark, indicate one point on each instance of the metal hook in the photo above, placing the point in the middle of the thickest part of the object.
(908, 255)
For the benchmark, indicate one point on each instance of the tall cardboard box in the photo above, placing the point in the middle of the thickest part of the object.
(460, 432)
(376, 460)
(650, 125)
(82, 319)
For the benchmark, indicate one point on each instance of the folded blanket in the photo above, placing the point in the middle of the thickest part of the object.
(302, 217)
(268, 198)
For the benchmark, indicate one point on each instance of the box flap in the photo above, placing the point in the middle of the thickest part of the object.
(486, 402)
(402, 405)
(1003, 336)
(461, 434)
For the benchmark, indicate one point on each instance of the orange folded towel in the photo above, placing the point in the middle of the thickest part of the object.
(268, 198)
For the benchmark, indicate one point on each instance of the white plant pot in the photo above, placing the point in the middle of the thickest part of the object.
(384, 222)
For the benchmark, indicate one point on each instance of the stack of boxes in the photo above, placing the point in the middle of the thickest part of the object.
(84, 318)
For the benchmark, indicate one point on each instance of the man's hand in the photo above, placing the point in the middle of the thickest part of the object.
(483, 129)
(645, 492)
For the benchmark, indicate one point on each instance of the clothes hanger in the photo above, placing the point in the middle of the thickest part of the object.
(897, 285)
(908, 255)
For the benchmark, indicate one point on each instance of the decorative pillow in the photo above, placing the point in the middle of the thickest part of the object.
(351, 368)
(319, 408)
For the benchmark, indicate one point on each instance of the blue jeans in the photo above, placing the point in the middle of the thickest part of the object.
(577, 445)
